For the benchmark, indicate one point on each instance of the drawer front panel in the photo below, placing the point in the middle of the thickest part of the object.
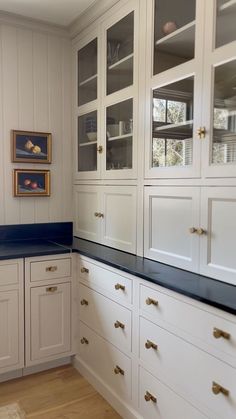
(103, 358)
(50, 269)
(189, 369)
(9, 274)
(157, 401)
(110, 282)
(217, 332)
(106, 317)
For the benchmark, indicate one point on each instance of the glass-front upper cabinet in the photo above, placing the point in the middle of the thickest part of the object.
(174, 33)
(87, 73)
(120, 54)
(219, 101)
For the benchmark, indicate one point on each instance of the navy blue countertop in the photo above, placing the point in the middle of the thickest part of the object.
(56, 238)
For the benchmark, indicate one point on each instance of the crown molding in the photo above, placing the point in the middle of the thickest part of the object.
(33, 24)
(94, 12)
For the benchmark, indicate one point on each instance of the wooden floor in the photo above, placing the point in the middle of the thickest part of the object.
(58, 393)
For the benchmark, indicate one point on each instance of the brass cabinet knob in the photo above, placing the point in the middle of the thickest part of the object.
(149, 344)
(192, 230)
(84, 302)
(51, 289)
(120, 287)
(217, 389)
(201, 132)
(84, 341)
(118, 325)
(51, 269)
(118, 370)
(100, 215)
(200, 231)
(84, 270)
(149, 397)
(150, 301)
(96, 214)
(100, 149)
(218, 333)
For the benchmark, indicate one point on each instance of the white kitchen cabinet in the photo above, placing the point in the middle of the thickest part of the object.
(170, 214)
(11, 315)
(107, 214)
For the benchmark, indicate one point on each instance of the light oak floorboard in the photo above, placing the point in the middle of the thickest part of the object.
(61, 393)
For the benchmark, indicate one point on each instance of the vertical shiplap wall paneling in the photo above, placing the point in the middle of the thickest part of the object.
(35, 94)
(10, 116)
(25, 106)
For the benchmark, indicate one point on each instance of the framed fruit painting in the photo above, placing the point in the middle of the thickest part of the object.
(31, 147)
(31, 182)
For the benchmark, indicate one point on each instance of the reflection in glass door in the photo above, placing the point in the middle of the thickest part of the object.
(225, 22)
(172, 128)
(87, 73)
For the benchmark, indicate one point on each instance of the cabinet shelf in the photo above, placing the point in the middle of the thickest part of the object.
(181, 131)
(88, 143)
(120, 137)
(123, 65)
(228, 7)
(88, 80)
(180, 40)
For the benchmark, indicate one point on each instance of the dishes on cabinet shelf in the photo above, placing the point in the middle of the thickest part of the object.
(87, 73)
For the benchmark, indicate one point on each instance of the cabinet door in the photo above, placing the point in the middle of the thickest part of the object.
(87, 209)
(9, 328)
(170, 215)
(50, 321)
(219, 101)
(119, 217)
(218, 242)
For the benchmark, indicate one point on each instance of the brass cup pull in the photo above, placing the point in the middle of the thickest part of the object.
(84, 302)
(218, 333)
(201, 132)
(149, 345)
(84, 270)
(118, 370)
(51, 289)
(84, 341)
(150, 398)
(118, 325)
(51, 269)
(150, 301)
(100, 149)
(120, 287)
(217, 389)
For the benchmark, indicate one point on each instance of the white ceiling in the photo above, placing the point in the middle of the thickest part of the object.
(60, 12)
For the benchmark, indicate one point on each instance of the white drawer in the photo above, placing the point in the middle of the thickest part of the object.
(196, 322)
(9, 273)
(50, 269)
(103, 358)
(188, 368)
(110, 282)
(156, 401)
(103, 315)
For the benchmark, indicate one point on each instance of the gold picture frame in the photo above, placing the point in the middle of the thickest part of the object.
(30, 182)
(31, 147)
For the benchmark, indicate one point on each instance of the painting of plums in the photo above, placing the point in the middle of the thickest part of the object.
(31, 147)
(31, 182)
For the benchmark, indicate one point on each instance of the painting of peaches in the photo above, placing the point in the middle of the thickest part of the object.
(31, 182)
(31, 147)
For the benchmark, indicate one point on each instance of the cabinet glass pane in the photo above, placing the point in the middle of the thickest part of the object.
(174, 33)
(224, 116)
(225, 22)
(172, 130)
(119, 136)
(120, 52)
(87, 73)
(87, 142)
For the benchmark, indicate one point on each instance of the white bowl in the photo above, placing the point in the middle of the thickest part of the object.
(92, 136)
(113, 130)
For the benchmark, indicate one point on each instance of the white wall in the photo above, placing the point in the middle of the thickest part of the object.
(35, 94)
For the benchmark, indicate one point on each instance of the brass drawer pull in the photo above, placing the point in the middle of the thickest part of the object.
(150, 398)
(51, 269)
(84, 341)
(51, 289)
(118, 370)
(218, 333)
(118, 324)
(120, 287)
(84, 302)
(217, 389)
(84, 270)
(149, 345)
(150, 301)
